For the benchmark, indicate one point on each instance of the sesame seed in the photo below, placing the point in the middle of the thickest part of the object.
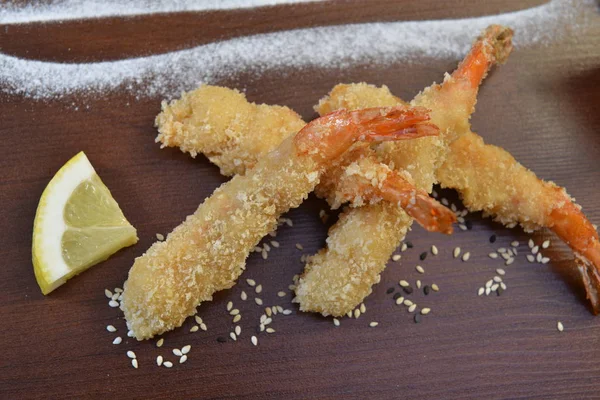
(444, 201)
(494, 287)
(280, 309)
(267, 321)
(349, 314)
(426, 290)
(493, 239)
(363, 309)
(168, 364)
(466, 256)
(237, 318)
(404, 283)
(281, 294)
(233, 336)
(194, 328)
(423, 255)
(160, 237)
(251, 282)
(487, 291)
(160, 342)
(509, 261)
(480, 291)
(243, 296)
(409, 244)
(453, 207)
(177, 352)
(500, 271)
(417, 318)
(183, 359)
(535, 249)
(489, 283)
(396, 257)
(267, 247)
(418, 283)
(229, 305)
(462, 227)
(117, 340)
(130, 333)
(456, 252)
(493, 255)
(262, 327)
(403, 247)
(258, 301)
(435, 287)
(238, 330)
(356, 313)
(336, 322)
(287, 312)
(235, 311)
(203, 327)
(502, 250)
(530, 258)
(274, 243)
(108, 293)
(258, 289)
(399, 300)
(289, 222)
(270, 330)
(546, 244)
(514, 243)
(263, 318)
(460, 220)
(425, 311)
(390, 290)
(111, 328)
(408, 289)
(408, 303)
(299, 246)
(258, 249)
(115, 296)
(545, 260)
(131, 354)
(159, 360)
(497, 279)
(515, 252)
(264, 254)
(531, 243)
(412, 308)
(134, 363)
(506, 256)
(254, 340)
(538, 257)
(503, 285)
(420, 269)
(373, 324)
(560, 326)
(113, 303)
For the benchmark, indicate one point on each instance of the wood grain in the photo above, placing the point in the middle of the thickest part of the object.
(542, 107)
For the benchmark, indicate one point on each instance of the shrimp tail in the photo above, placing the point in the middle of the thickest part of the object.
(409, 122)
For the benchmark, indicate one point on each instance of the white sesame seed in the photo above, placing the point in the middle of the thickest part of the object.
(456, 252)
(258, 289)
(530, 258)
(111, 328)
(194, 328)
(243, 296)
(118, 290)
(273, 234)
(412, 308)
(168, 364)
(264, 254)
(159, 360)
(108, 293)
(487, 291)
(426, 311)
(237, 318)
(503, 285)
(560, 326)
(269, 311)
(400, 300)
(235, 311)
(418, 283)
(203, 327)
(497, 279)
(113, 303)
(494, 287)
(420, 269)
(434, 194)
(466, 256)
(134, 363)
(130, 333)
(509, 261)
(506, 256)
(356, 313)
(462, 227)
(514, 243)
(287, 312)
(434, 250)
(538, 257)
(408, 303)
(404, 283)
(160, 237)
(270, 330)
(489, 283)
(545, 260)
(531, 243)
(500, 271)
(254, 340)
(363, 308)
(267, 247)
(238, 330)
(502, 250)
(299, 246)
(115, 296)
(281, 294)
(257, 249)
(435, 287)
(263, 318)
(453, 207)
(251, 282)
(403, 247)
(177, 352)
(444, 201)
(336, 322)
(289, 222)
(267, 321)
(515, 251)
(229, 305)
(493, 255)
(373, 324)
(262, 327)
(546, 244)
(274, 243)
(131, 354)
(460, 220)
(480, 291)
(186, 349)
(535, 249)
(396, 257)
(258, 301)
(233, 336)
(117, 340)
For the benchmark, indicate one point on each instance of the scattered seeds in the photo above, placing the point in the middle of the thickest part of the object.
(435, 287)
(373, 324)
(487, 291)
(183, 359)
(403, 247)
(535, 249)
(560, 326)
(503, 285)
(426, 289)
(363, 308)
(423, 255)
(408, 289)
(417, 318)
(168, 364)
(229, 306)
(408, 303)
(281, 294)
(434, 250)
(134, 363)
(159, 360)
(493, 239)
(399, 300)
(235, 311)
(267, 321)
(404, 283)
(502, 250)
(420, 269)
(251, 282)
(530, 258)
(254, 340)
(545, 260)
(396, 257)
(531, 244)
(418, 283)
(390, 290)
(113, 303)
(198, 319)
(270, 330)
(233, 336)
(336, 322)
(480, 291)
(509, 261)
(500, 271)
(497, 279)
(493, 255)
(243, 296)
(258, 289)
(117, 340)
(456, 252)
(494, 287)
(108, 293)
(546, 244)
(131, 354)
(237, 318)
(409, 244)
(426, 311)
(160, 237)
(412, 308)
(194, 328)
(177, 352)
(466, 256)
(514, 243)
(203, 327)
(238, 330)
(489, 283)
(186, 349)
(258, 301)
(299, 246)
(356, 313)
(111, 328)
(264, 254)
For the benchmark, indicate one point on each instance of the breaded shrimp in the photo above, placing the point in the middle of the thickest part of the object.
(337, 279)
(489, 179)
(207, 252)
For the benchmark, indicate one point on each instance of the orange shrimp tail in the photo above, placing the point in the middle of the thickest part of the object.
(428, 213)
(492, 47)
(387, 124)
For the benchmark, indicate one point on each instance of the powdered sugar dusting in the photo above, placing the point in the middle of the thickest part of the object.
(325, 47)
(85, 9)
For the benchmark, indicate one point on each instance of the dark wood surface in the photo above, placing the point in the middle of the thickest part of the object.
(543, 106)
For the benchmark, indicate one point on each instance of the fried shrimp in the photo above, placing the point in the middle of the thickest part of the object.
(489, 179)
(338, 278)
(207, 252)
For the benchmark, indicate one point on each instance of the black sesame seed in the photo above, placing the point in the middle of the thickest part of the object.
(409, 245)
(397, 295)
(426, 290)
(390, 290)
(407, 289)
(417, 318)
(492, 238)
(423, 255)
(469, 225)
(221, 339)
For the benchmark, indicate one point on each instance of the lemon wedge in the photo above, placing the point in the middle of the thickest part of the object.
(77, 225)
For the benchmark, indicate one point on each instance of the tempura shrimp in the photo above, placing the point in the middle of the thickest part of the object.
(207, 252)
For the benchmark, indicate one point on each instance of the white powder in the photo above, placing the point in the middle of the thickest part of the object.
(83, 9)
(326, 47)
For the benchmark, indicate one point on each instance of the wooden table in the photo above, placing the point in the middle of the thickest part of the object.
(543, 106)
